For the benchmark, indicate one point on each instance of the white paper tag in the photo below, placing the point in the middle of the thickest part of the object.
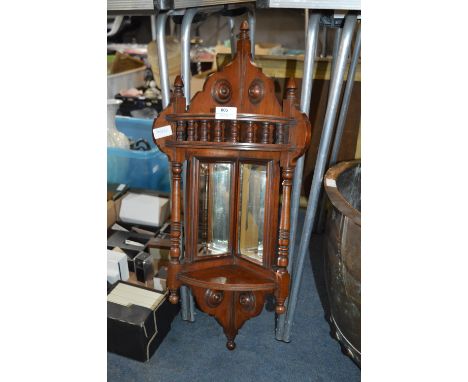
(330, 182)
(225, 112)
(161, 132)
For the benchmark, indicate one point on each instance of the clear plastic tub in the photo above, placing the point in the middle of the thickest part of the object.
(138, 169)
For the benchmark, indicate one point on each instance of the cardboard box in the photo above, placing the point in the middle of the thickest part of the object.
(136, 330)
(117, 265)
(144, 208)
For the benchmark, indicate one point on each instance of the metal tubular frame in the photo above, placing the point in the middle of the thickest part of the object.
(346, 99)
(320, 166)
(162, 57)
(187, 303)
(336, 46)
(306, 92)
(187, 310)
(252, 20)
(153, 27)
(185, 46)
(232, 35)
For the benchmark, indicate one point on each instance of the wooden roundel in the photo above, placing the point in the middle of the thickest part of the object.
(256, 91)
(222, 91)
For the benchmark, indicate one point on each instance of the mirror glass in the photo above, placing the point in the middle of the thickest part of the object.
(252, 210)
(214, 208)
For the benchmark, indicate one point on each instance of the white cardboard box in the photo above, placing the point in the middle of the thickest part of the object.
(117, 266)
(144, 209)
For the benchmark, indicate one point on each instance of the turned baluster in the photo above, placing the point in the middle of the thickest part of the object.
(203, 131)
(190, 130)
(265, 132)
(279, 133)
(234, 131)
(223, 130)
(176, 228)
(271, 129)
(217, 131)
(250, 132)
(283, 239)
(180, 131)
(285, 133)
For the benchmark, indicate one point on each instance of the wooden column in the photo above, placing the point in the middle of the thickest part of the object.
(176, 228)
(283, 242)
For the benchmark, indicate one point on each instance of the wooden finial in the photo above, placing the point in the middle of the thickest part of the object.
(244, 30)
(291, 88)
(178, 87)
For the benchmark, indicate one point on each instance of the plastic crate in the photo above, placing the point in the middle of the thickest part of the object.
(138, 169)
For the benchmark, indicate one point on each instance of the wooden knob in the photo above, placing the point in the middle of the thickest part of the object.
(231, 345)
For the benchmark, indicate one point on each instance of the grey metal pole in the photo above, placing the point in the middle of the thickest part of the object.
(187, 305)
(153, 27)
(306, 92)
(232, 35)
(320, 224)
(185, 46)
(162, 57)
(346, 99)
(252, 21)
(186, 298)
(323, 51)
(336, 45)
(330, 116)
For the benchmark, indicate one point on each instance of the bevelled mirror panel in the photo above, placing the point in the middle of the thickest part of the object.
(214, 208)
(252, 210)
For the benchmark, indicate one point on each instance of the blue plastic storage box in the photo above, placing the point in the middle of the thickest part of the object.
(138, 169)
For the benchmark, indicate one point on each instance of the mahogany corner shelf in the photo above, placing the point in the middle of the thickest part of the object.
(233, 277)
(237, 233)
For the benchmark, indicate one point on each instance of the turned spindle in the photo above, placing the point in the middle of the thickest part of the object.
(217, 131)
(250, 132)
(180, 131)
(279, 133)
(265, 132)
(234, 131)
(190, 130)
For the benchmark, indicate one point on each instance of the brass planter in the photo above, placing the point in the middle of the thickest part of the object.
(342, 184)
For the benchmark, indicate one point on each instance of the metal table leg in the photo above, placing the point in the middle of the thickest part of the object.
(232, 35)
(346, 99)
(336, 46)
(185, 46)
(187, 310)
(162, 57)
(153, 27)
(251, 18)
(320, 223)
(309, 60)
(333, 100)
